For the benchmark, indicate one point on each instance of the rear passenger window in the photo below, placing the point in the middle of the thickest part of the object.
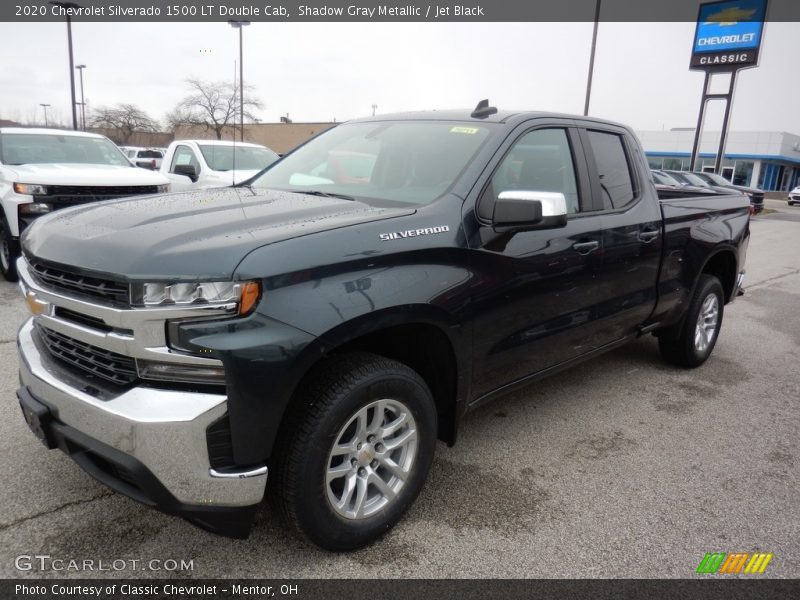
(540, 161)
(612, 167)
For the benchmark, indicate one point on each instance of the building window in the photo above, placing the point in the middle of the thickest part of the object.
(743, 170)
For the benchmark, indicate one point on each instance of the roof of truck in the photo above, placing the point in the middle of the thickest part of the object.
(501, 116)
(48, 131)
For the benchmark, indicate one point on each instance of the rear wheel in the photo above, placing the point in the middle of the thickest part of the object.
(9, 251)
(693, 343)
(356, 451)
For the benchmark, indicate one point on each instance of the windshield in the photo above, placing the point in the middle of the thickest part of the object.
(24, 149)
(403, 161)
(248, 158)
(149, 154)
(665, 179)
(694, 179)
(716, 179)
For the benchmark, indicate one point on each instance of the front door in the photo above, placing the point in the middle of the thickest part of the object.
(534, 295)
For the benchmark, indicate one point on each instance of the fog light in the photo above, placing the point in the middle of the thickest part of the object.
(180, 373)
(36, 208)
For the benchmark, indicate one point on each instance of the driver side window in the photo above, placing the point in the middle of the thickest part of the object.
(540, 161)
(184, 156)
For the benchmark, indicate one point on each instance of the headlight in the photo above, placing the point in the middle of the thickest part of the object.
(35, 208)
(245, 294)
(34, 189)
(162, 189)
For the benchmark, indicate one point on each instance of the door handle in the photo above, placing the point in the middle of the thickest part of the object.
(648, 236)
(585, 247)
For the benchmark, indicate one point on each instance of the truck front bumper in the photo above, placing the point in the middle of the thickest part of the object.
(147, 443)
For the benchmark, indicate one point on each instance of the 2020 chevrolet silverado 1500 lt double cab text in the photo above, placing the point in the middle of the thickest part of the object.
(325, 326)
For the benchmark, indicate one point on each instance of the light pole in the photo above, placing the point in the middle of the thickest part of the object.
(591, 59)
(374, 108)
(66, 6)
(83, 102)
(44, 106)
(240, 25)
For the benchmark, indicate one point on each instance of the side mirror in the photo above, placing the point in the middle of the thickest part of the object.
(523, 211)
(187, 171)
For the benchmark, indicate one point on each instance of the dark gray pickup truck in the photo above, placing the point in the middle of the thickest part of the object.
(326, 322)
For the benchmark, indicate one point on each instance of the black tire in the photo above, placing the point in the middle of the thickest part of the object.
(333, 393)
(681, 347)
(9, 252)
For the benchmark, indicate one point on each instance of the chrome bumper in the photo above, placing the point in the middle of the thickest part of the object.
(165, 430)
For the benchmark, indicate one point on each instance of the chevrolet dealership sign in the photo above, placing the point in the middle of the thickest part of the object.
(728, 35)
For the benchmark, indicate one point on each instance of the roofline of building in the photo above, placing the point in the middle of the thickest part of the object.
(726, 155)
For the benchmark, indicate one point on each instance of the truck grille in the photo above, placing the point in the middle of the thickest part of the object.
(63, 280)
(79, 194)
(104, 364)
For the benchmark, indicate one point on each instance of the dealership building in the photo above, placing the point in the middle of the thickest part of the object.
(769, 160)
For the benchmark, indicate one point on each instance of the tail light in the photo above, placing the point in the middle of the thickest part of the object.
(154, 164)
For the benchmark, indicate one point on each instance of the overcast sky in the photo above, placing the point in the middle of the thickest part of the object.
(322, 71)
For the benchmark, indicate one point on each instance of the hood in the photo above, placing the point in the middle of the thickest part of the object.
(188, 235)
(748, 190)
(79, 174)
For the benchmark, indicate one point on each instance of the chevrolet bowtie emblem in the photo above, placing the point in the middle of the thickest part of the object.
(35, 305)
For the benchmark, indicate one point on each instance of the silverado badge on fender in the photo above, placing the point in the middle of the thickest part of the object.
(397, 235)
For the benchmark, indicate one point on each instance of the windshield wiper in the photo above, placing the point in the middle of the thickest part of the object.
(324, 194)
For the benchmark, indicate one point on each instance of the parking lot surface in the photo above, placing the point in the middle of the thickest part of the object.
(621, 467)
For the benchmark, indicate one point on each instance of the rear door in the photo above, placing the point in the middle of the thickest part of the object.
(631, 230)
(535, 294)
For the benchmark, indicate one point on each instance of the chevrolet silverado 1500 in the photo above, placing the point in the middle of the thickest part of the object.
(325, 322)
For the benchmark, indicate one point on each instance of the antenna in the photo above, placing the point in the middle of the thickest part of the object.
(233, 99)
(483, 110)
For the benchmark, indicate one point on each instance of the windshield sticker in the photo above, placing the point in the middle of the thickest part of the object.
(467, 130)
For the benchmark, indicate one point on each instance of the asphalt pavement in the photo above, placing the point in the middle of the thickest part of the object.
(621, 467)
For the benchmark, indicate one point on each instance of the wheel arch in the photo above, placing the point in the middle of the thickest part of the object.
(723, 265)
(424, 338)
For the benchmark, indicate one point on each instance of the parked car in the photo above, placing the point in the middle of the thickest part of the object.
(147, 158)
(756, 195)
(324, 328)
(689, 178)
(202, 164)
(794, 196)
(669, 187)
(42, 170)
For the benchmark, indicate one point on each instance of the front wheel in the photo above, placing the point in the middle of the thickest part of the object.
(357, 452)
(9, 251)
(698, 335)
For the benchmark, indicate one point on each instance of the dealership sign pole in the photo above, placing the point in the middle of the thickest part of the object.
(727, 39)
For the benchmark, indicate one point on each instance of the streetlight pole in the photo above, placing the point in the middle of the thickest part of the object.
(83, 102)
(591, 59)
(374, 108)
(44, 106)
(66, 6)
(240, 25)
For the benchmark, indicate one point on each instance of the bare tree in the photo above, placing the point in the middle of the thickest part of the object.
(125, 119)
(212, 105)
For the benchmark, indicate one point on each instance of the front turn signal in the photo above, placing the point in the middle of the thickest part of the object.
(251, 292)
